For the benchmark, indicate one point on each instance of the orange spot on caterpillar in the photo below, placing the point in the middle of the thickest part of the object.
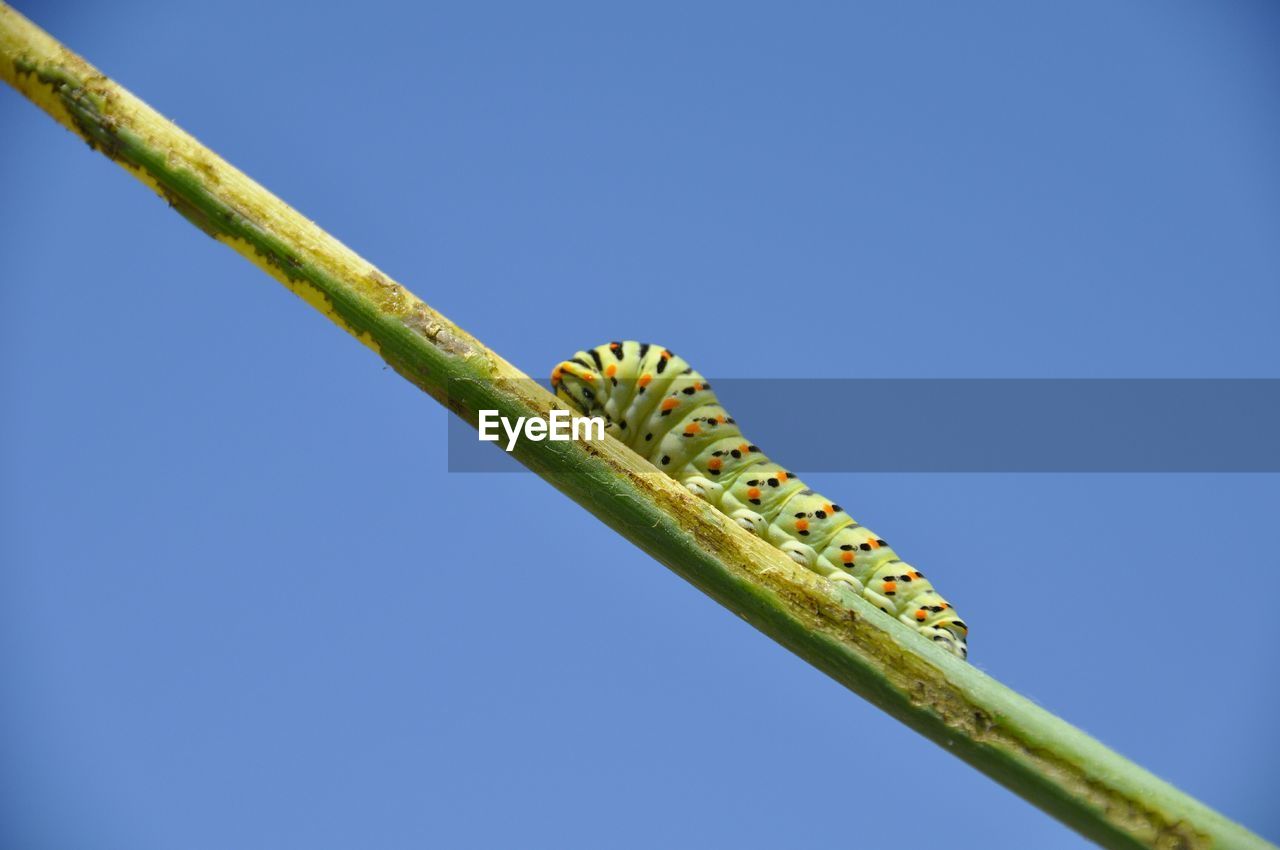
(692, 428)
(666, 355)
(847, 557)
(873, 544)
(828, 508)
(920, 615)
(782, 476)
(614, 346)
(802, 524)
(587, 376)
(753, 493)
(715, 463)
(611, 370)
(722, 418)
(670, 403)
(890, 586)
(644, 380)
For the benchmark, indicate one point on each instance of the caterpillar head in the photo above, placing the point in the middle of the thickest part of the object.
(579, 386)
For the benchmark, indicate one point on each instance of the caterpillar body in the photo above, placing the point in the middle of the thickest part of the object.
(661, 408)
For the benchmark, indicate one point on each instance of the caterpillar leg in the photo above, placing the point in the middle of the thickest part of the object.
(842, 577)
(798, 552)
(703, 488)
(750, 520)
(884, 604)
(949, 641)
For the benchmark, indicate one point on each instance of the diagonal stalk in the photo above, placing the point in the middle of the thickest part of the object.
(1035, 754)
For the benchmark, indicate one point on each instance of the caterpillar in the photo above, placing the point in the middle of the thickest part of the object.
(661, 408)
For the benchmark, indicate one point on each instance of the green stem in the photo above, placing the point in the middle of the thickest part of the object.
(1022, 746)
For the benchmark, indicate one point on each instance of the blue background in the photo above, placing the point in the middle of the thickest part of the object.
(243, 604)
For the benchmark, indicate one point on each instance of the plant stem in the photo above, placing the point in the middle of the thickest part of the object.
(1022, 746)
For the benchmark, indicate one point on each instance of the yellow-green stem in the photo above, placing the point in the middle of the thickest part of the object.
(1020, 745)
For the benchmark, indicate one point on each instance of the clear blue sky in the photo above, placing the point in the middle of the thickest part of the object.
(244, 605)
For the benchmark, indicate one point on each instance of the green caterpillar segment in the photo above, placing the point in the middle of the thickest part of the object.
(659, 406)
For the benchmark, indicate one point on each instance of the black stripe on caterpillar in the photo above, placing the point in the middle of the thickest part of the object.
(660, 407)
